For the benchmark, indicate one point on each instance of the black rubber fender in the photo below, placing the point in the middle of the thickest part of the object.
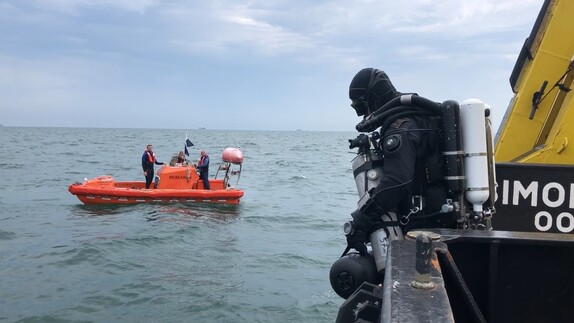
(350, 271)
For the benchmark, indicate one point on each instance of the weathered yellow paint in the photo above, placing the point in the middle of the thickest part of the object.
(544, 138)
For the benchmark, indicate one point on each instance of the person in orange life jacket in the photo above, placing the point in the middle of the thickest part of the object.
(148, 160)
(203, 167)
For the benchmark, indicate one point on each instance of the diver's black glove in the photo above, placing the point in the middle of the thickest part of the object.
(356, 239)
(364, 222)
(357, 231)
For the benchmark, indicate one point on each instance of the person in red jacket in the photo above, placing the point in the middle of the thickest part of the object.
(148, 160)
(203, 167)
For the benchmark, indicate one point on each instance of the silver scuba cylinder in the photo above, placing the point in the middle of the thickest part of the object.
(368, 172)
(380, 241)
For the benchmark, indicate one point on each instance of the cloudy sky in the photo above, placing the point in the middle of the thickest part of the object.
(247, 65)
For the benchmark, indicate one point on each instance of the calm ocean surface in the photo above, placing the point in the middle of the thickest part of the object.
(264, 260)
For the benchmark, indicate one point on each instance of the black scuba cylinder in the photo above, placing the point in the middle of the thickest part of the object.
(452, 148)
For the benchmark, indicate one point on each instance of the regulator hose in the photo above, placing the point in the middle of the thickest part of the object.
(408, 101)
(388, 121)
(373, 122)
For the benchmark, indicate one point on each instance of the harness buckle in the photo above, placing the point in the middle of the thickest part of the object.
(417, 202)
(405, 218)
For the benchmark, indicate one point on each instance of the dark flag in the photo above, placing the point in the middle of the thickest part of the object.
(188, 143)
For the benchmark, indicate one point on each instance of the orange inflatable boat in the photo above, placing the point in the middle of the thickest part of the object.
(172, 183)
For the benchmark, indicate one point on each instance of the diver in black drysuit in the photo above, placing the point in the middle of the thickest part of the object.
(406, 150)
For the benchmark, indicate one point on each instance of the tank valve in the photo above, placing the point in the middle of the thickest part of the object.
(477, 216)
(447, 208)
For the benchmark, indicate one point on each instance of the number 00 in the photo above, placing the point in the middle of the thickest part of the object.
(543, 221)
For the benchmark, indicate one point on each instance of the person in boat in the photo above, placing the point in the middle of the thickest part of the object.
(181, 158)
(406, 149)
(203, 167)
(148, 161)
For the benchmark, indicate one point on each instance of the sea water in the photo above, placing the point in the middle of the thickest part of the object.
(264, 260)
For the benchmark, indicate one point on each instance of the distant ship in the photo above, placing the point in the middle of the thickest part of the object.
(202, 128)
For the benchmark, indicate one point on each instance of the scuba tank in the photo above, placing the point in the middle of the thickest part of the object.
(353, 268)
(479, 162)
(368, 171)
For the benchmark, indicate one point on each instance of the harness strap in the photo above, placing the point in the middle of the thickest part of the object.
(385, 224)
(366, 166)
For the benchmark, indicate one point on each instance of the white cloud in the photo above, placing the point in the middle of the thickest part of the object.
(291, 52)
(462, 18)
(297, 28)
(227, 29)
(74, 6)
